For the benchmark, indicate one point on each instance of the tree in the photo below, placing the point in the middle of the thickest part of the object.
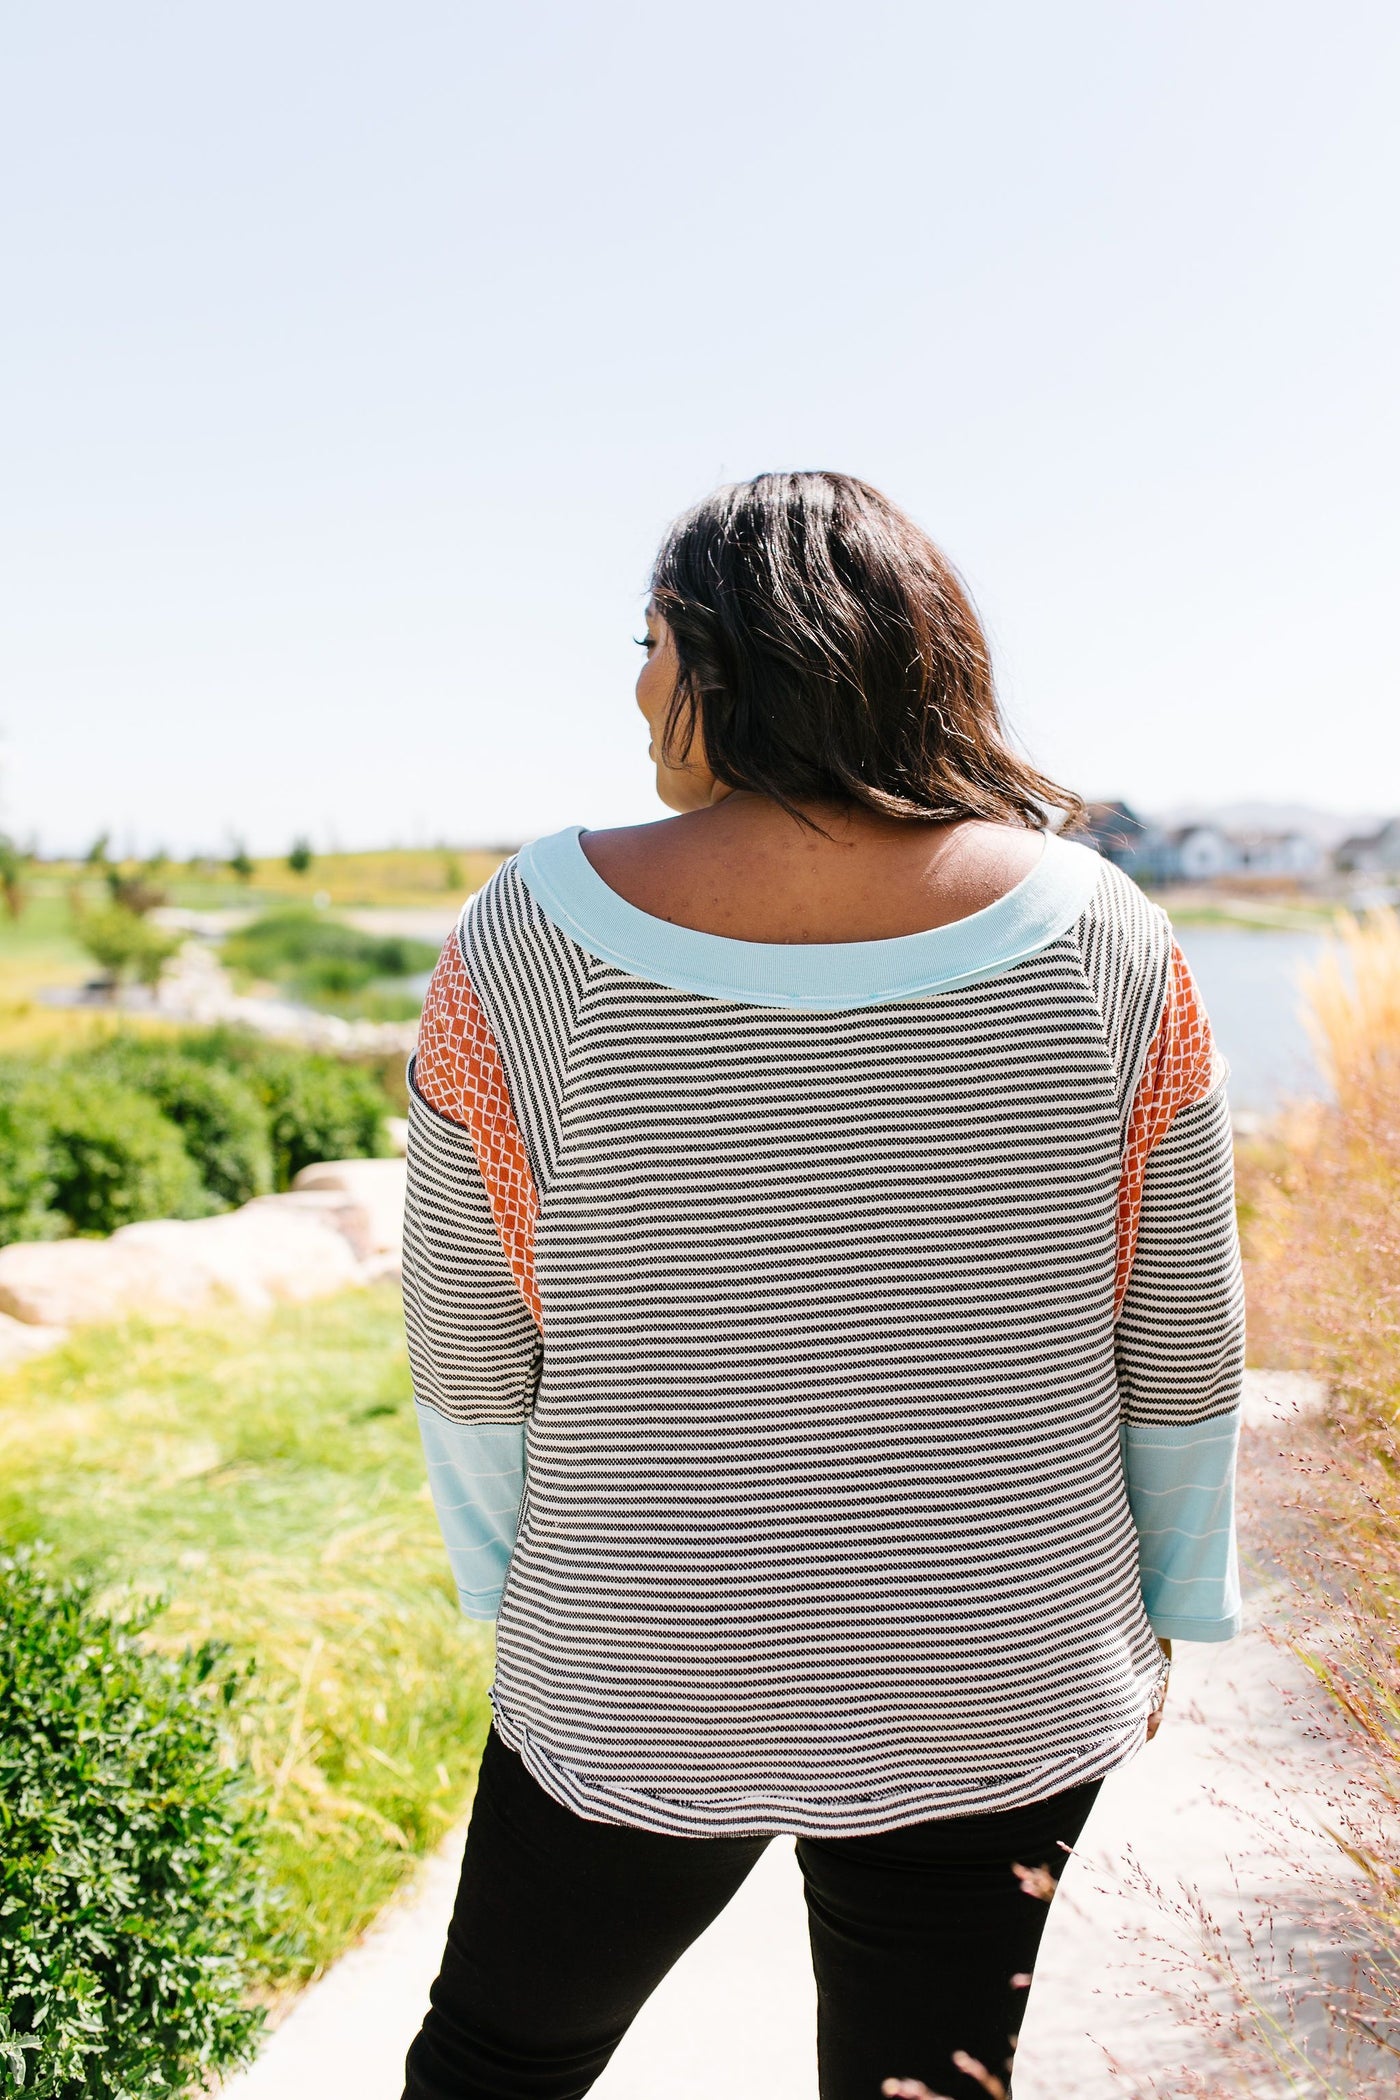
(14, 869)
(300, 858)
(134, 892)
(124, 943)
(240, 863)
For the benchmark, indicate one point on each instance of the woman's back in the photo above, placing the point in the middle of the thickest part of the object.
(825, 1524)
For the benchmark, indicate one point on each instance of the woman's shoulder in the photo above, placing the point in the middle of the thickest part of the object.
(504, 925)
(1118, 909)
(1126, 947)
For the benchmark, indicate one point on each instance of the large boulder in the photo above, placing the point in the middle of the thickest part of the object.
(256, 1257)
(264, 1254)
(342, 1224)
(59, 1283)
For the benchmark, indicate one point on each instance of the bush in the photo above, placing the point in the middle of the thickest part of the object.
(321, 957)
(219, 1116)
(111, 1156)
(26, 1185)
(142, 1128)
(131, 1905)
(137, 892)
(14, 872)
(318, 1107)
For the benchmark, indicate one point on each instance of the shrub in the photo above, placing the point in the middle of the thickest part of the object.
(318, 1107)
(320, 956)
(111, 1156)
(219, 1116)
(26, 1185)
(141, 1128)
(14, 871)
(137, 892)
(131, 1905)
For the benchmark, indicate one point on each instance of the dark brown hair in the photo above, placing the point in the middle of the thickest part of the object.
(830, 653)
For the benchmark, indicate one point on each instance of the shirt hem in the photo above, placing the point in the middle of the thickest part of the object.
(597, 1802)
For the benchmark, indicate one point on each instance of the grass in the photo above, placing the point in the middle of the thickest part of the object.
(267, 1477)
(396, 876)
(1295, 912)
(40, 951)
(36, 951)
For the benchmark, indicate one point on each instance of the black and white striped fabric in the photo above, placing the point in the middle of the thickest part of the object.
(847, 1502)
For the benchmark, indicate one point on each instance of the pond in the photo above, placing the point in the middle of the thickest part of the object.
(1249, 981)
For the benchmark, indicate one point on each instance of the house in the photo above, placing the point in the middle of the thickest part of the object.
(1371, 853)
(1280, 853)
(1208, 852)
(1196, 853)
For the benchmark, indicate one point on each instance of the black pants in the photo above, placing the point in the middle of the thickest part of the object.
(922, 1941)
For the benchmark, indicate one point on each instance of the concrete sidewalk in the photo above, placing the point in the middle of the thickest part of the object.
(1231, 1764)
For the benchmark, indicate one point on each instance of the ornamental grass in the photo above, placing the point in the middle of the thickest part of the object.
(1320, 1210)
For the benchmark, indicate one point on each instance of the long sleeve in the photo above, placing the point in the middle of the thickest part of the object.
(1179, 1298)
(1180, 1349)
(470, 1304)
(473, 1348)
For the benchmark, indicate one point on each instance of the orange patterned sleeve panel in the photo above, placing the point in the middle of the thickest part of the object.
(1181, 1067)
(458, 1071)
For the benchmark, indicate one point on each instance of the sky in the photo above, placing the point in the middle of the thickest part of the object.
(354, 358)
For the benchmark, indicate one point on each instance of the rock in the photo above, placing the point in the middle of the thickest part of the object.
(18, 1341)
(256, 1257)
(60, 1283)
(331, 1208)
(375, 1187)
(265, 1254)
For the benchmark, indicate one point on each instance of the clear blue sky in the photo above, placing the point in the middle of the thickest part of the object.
(355, 357)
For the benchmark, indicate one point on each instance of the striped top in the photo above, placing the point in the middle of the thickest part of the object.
(828, 1357)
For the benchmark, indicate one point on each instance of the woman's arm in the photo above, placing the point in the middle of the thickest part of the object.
(1180, 1351)
(474, 1349)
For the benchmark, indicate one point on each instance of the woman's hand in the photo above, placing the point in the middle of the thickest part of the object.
(1154, 1719)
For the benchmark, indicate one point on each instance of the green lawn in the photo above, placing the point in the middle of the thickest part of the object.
(267, 1476)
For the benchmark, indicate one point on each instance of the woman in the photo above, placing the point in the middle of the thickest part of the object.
(824, 1304)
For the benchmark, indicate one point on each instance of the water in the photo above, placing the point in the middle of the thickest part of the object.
(1249, 981)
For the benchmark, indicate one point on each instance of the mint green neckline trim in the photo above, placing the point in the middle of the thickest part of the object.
(822, 975)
